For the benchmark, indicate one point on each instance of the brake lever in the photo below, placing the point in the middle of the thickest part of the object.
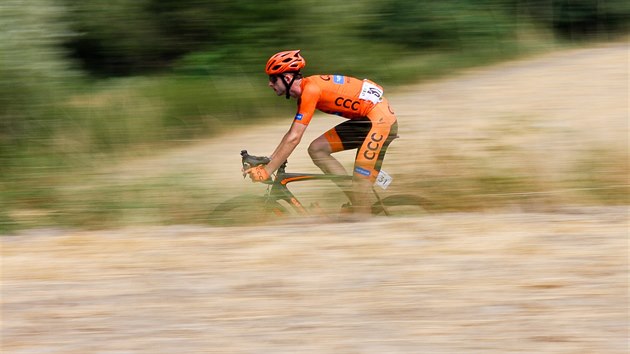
(246, 167)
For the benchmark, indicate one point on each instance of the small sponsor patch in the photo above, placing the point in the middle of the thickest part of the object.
(362, 171)
(299, 116)
(338, 79)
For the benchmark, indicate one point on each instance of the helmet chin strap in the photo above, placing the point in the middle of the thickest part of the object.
(288, 85)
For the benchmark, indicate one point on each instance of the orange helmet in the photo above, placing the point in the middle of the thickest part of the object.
(283, 62)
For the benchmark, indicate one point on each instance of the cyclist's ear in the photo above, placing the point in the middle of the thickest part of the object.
(288, 77)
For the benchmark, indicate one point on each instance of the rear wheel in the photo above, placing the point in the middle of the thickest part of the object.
(247, 210)
(401, 205)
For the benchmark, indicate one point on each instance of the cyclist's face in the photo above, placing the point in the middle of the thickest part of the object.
(275, 82)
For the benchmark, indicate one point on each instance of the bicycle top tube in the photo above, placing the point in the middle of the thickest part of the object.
(282, 177)
(285, 178)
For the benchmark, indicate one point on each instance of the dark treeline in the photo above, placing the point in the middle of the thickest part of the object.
(130, 37)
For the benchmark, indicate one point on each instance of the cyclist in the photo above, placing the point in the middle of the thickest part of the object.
(370, 128)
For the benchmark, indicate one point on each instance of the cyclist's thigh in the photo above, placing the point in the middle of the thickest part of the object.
(348, 135)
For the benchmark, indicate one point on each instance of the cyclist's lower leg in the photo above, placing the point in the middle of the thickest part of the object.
(320, 153)
(361, 196)
(330, 168)
(357, 190)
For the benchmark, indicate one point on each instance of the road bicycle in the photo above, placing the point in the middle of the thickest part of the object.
(279, 201)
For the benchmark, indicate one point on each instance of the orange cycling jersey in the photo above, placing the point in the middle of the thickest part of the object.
(337, 94)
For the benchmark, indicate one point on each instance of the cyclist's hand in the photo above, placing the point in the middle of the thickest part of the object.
(258, 174)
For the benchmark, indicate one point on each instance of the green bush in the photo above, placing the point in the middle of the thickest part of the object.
(575, 19)
(131, 37)
(441, 24)
(34, 74)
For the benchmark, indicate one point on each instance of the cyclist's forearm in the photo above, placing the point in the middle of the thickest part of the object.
(282, 152)
(289, 142)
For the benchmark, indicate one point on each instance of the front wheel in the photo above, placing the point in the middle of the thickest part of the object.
(401, 205)
(247, 210)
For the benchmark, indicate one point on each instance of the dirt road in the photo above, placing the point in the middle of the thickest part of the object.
(484, 282)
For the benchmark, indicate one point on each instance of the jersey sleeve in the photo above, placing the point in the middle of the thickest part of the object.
(307, 103)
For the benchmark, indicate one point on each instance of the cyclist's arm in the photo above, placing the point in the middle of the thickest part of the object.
(289, 142)
(306, 108)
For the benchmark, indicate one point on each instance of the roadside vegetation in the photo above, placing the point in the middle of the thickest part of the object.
(84, 84)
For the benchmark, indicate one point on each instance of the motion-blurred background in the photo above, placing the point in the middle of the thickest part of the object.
(86, 84)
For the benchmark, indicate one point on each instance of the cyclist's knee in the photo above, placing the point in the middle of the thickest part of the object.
(317, 149)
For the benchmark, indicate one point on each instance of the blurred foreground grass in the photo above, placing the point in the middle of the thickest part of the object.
(77, 201)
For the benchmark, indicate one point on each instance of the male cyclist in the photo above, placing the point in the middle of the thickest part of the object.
(370, 128)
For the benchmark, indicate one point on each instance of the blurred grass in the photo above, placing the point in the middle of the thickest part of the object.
(598, 177)
(471, 184)
(168, 200)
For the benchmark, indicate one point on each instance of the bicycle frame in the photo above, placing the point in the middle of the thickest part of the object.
(279, 190)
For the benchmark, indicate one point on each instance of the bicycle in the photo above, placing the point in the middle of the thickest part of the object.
(256, 208)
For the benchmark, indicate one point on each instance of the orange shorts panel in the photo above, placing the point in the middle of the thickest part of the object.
(334, 140)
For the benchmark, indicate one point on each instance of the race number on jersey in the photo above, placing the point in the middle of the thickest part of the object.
(371, 92)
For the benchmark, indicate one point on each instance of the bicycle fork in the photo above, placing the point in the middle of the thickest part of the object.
(280, 192)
